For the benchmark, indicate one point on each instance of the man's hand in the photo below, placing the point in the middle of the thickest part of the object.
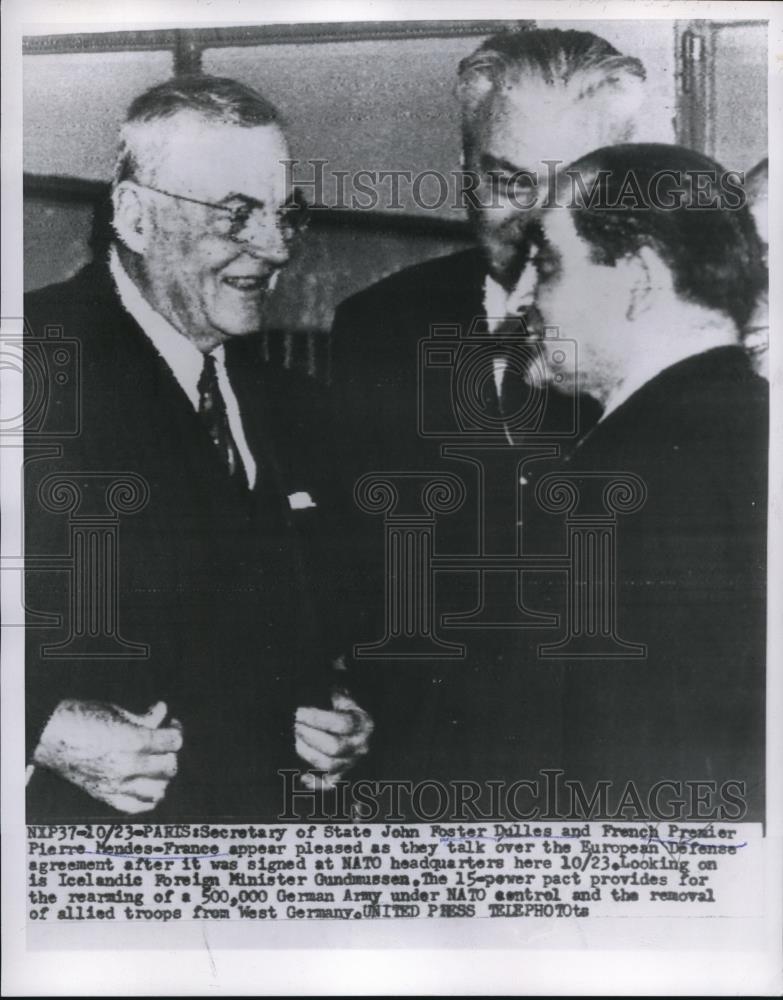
(122, 759)
(332, 741)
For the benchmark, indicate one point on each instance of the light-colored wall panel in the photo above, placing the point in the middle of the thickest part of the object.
(75, 104)
(740, 95)
(375, 105)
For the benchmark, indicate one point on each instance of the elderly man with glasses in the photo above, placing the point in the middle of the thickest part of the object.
(217, 677)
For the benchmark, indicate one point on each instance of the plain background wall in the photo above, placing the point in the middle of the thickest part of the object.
(739, 102)
(75, 103)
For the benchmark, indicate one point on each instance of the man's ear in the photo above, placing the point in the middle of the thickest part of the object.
(131, 220)
(649, 279)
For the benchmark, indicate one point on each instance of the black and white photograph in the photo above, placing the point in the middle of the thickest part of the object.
(390, 543)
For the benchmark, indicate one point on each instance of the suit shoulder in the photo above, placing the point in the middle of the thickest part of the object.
(36, 302)
(417, 282)
(77, 285)
(730, 400)
(55, 304)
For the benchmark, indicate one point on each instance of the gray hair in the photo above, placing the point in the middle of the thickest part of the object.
(214, 99)
(577, 62)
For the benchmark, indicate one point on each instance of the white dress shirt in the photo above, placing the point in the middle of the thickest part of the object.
(184, 359)
(499, 304)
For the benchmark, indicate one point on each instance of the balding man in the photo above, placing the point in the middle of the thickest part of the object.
(213, 675)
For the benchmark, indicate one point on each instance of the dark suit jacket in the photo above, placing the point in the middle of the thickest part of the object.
(690, 587)
(375, 343)
(210, 577)
(698, 440)
(435, 719)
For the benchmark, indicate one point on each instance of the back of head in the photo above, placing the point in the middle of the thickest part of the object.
(578, 64)
(681, 204)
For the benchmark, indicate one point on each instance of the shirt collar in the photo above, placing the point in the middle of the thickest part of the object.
(498, 303)
(495, 302)
(184, 359)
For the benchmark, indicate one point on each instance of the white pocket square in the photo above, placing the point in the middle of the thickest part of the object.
(300, 501)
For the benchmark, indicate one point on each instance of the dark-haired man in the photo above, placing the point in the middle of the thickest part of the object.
(656, 299)
(187, 703)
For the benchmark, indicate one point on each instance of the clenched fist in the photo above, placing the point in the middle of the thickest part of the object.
(117, 757)
(333, 740)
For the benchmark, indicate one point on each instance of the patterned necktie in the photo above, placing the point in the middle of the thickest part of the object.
(212, 410)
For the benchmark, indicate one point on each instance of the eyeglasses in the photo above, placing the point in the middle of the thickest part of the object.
(235, 215)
